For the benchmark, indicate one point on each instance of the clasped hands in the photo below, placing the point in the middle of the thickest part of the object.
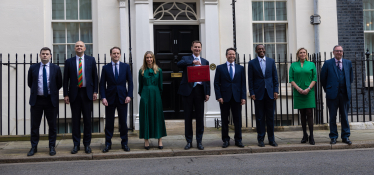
(67, 100)
(275, 96)
(105, 102)
(220, 100)
(304, 92)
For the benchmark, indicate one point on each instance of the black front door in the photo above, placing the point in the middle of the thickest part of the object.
(171, 44)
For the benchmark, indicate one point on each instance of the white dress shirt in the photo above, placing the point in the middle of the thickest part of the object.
(40, 78)
(83, 74)
(233, 68)
(260, 60)
(114, 70)
(198, 59)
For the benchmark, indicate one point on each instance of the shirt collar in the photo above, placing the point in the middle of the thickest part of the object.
(115, 63)
(41, 64)
(76, 56)
(336, 60)
(198, 57)
(262, 58)
(228, 63)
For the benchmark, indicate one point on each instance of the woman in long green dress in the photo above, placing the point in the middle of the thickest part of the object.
(303, 77)
(151, 115)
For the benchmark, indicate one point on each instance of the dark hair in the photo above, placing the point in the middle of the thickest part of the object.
(336, 47)
(227, 50)
(196, 41)
(259, 45)
(45, 48)
(115, 47)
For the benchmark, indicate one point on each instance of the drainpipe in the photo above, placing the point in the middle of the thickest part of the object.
(316, 20)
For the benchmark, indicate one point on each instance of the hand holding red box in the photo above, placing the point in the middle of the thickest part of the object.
(198, 73)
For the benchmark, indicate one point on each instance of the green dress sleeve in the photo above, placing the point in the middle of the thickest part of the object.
(140, 80)
(314, 72)
(291, 76)
(160, 80)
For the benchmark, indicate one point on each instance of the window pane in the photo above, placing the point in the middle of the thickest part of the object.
(85, 9)
(70, 51)
(59, 53)
(369, 39)
(281, 33)
(86, 32)
(257, 11)
(57, 9)
(281, 52)
(269, 11)
(270, 50)
(89, 50)
(282, 73)
(257, 33)
(368, 4)
(71, 9)
(269, 33)
(368, 20)
(58, 32)
(281, 11)
(72, 32)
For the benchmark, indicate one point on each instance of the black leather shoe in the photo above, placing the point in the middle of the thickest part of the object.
(311, 140)
(87, 149)
(273, 143)
(125, 148)
(32, 151)
(333, 141)
(52, 151)
(75, 149)
(160, 147)
(261, 144)
(188, 146)
(305, 139)
(239, 144)
(347, 141)
(226, 144)
(146, 147)
(107, 148)
(200, 146)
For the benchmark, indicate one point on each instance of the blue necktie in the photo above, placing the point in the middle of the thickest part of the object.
(116, 72)
(194, 84)
(231, 72)
(339, 65)
(45, 87)
(263, 66)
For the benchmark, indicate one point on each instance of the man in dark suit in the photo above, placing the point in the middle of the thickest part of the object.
(44, 80)
(80, 89)
(114, 94)
(263, 87)
(229, 86)
(336, 78)
(193, 96)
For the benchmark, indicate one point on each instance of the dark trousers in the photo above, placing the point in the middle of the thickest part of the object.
(43, 104)
(81, 105)
(341, 102)
(236, 110)
(265, 114)
(195, 99)
(122, 118)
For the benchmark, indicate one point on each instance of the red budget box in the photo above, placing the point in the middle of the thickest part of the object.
(198, 73)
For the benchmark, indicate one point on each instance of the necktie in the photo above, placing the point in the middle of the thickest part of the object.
(45, 86)
(338, 65)
(194, 84)
(116, 72)
(80, 75)
(231, 72)
(263, 66)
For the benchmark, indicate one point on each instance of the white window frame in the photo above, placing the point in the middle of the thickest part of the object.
(366, 68)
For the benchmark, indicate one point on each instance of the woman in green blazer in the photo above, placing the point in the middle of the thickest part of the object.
(303, 77)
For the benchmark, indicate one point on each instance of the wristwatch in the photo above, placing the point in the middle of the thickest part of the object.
(309, 88)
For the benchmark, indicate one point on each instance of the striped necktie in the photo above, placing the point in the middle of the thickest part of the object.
(80, 76)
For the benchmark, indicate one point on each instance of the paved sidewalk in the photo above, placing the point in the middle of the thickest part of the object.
(16, 151)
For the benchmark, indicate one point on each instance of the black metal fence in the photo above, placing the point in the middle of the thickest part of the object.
(360, 108)
(17, 102)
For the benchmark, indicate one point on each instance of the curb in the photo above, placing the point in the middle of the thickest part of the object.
(192, 152)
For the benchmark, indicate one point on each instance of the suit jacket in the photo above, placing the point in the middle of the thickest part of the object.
(330, 77)
(185, 87)
(55, 83)
(226, 88)
(109, 87)
(257, 81)
(71, 77)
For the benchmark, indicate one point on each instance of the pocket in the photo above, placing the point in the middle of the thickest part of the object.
(328, 87)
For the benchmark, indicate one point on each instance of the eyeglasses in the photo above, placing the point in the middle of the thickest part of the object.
(338, 51)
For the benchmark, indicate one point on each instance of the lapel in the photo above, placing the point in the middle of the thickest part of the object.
(268, 65)
(121, 72)
(237, 71)
(36, 72)
(335, 67)
(226, 71)
(110, 70)
(74, 62)
(86, 65)
(257, 66)
(345, 66)
(51, 72)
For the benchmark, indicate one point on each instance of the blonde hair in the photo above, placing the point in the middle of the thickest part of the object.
(297, 54)
(154, 65)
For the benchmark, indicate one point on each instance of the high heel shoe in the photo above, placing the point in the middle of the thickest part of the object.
(160, 147)
(311, 140)
(305, 139)
(146, 147)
